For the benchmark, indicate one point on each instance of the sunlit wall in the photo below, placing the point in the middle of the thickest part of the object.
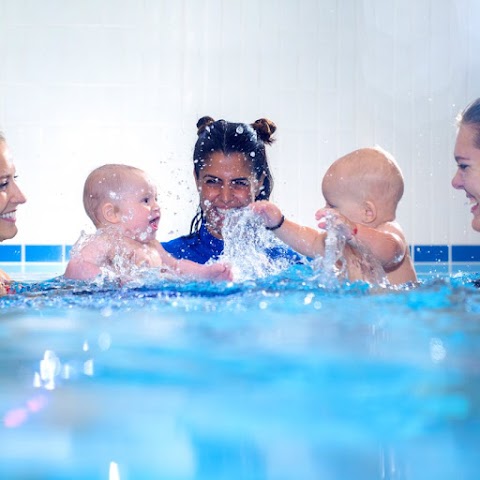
(88, 82)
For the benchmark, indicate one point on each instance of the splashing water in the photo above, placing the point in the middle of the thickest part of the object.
(342, 262)
(331, 268)
(246, 246)
(121, 268)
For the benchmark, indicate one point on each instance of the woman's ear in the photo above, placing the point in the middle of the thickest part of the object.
(197, 179)
(369, 212)
(110, 213)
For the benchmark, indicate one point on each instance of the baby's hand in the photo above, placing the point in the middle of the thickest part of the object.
(268, 212)
(330, 217)
(219, 272)
(3, 289)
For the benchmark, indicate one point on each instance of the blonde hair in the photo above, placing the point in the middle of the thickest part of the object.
(105, 183)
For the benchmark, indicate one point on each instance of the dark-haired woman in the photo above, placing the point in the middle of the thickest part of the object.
(231, 171)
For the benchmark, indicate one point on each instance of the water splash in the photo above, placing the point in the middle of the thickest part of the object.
(246, 245)
(344, 262)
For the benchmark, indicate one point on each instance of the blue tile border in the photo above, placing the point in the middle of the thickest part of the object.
(10, 253)
(420, 253)
(430, 253)
(44, 253)
(465, 253)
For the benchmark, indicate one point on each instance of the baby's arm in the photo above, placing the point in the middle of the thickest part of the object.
(385, 242)
(305, 240)
(216, 271)
(4, 279)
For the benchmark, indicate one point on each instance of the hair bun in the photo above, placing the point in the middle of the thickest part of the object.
(265, 128)
(203, 123)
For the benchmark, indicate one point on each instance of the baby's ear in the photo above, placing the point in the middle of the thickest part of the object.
(369, 212)
(110, 213)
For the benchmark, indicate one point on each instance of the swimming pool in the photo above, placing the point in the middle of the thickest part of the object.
(278, 378)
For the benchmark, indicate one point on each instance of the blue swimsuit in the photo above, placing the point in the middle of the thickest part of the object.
(202, 246)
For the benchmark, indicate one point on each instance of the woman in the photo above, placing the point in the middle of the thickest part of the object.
(467, 156)
(10, 197)
(231, 171)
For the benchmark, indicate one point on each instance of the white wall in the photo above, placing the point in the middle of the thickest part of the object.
(94, 81)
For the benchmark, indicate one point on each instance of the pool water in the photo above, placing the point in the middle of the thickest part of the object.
(279, 378)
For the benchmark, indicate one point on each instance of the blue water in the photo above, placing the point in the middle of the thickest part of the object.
(273, 379)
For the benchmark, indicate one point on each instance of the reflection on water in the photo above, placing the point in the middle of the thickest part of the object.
(279, 378)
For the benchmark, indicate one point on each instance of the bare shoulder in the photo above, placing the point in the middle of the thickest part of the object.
(393, 228)
(93, 247)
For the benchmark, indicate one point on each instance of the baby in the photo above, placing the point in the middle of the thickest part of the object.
(362, 191)
(122, 203)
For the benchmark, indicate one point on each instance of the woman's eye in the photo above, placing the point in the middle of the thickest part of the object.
(3, 185)
(241, 183)
(462, 166)
(211, 181)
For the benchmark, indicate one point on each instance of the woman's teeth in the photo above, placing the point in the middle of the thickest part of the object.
(8, 216)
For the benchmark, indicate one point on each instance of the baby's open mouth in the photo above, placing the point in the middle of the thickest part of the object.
(154, 223)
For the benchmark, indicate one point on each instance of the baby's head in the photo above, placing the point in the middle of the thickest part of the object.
(365, 186)
(109, 184)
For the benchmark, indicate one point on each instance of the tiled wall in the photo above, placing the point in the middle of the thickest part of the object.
(88, 82)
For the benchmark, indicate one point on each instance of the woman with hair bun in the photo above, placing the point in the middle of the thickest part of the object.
(231, 171)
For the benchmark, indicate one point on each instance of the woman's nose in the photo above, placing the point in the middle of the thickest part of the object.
(17, 195)
(226, 193)
(457, 180)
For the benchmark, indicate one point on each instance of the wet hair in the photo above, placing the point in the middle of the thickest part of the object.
(471, 116)
(227, 138)
(105, 183)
